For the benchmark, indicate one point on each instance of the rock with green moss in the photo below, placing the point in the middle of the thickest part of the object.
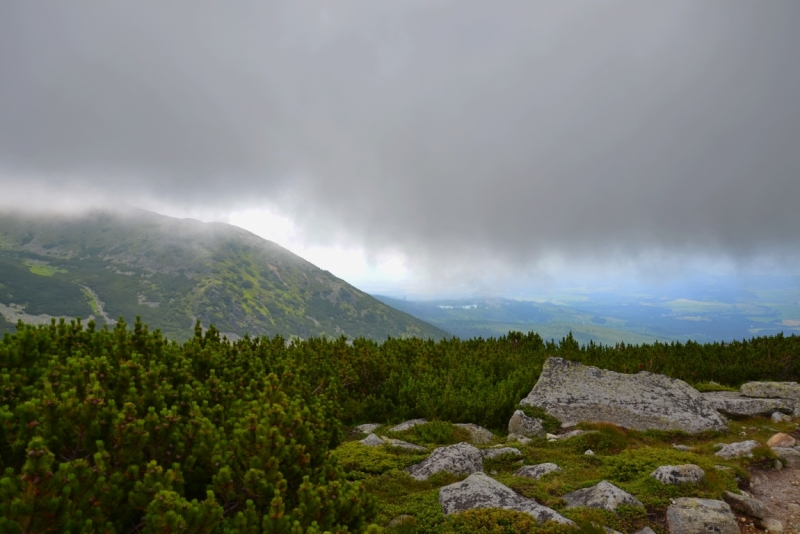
(402, 427)
(524, 425)
(603, 495)
(501, 451)
(458, 459)
(478, 434)
(738, 449)
(537, 471)
(699, 516)
(679, 474)
(573, 392)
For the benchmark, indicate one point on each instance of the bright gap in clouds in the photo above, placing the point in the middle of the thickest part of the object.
(384, 272)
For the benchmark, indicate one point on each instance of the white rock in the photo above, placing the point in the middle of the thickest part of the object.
(679, 474)
(772, 525)
(368, 428)
(458, 459)
(683, 448)
(372, 441)
(526, 426)
(517, 437)
(735, 450)
(481, 491)
(574, 392)
(701, 516)
(478, 434)
(778, 417)
(589, 452)
(537, 471)
(501, 451)
(407, 424)
(603, 495)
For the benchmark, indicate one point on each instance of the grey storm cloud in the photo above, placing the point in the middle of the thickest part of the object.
(441, 127)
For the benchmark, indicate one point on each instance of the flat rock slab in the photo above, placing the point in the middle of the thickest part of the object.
(701, 516)
(734, 403)
(368, 428)
(458, 459)
(603, 495)
(482, 491)
(523, 425)
(478, 434)
(781, 440)
(501, 451)
(679, 474)
(571, 391)
(536, 471)
(780, 390)
(740, 448)
(407, 424)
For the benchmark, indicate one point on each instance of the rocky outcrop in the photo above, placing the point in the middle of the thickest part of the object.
(737, 404)
(478, 434)
(700, 516)
(501, 451)
(679, 474)
(407, 424)
(774, 390)
(523, 425)
(458, 459)
(573, 392)
(603, 495)
(481, 491)
(536, 471)
(781, 440)
(735, 450)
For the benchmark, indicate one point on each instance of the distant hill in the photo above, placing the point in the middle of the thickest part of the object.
(173, 271)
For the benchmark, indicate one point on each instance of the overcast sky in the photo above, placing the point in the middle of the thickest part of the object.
(439, 144)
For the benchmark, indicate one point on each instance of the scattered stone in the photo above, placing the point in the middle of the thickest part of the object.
(781, 440)
(407, 424)
(372, 441)
(537, 471)
(399, 443)
(458, 459)
(679, 474)
(645, 530)
(571, 391)
(735, 450)
(683, 448)
(478, 434)
(368, 428)
(689, 515)
(603, 495)
(482, 491)
(517, 437)
(404, 519)
(748, 505)
(773, 525)
(501, 451)
(589, 452)
(779, 390)
(778, 417)
(737, 404)
(523, 425)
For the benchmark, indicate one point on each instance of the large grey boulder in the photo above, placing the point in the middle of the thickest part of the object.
(735, 450)
(603, 495)
(407, 424)
(523, 425)
(701, 516)
(679, 474)
(536, 471)
(736, 404)
(458, 459)
(501, 451)
(478, 434)
(779, 390)
(482, 491)
(573, 392)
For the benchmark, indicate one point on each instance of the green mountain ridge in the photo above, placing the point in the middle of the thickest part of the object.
(172, 272)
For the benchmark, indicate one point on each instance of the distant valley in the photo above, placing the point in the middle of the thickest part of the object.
(172, 272)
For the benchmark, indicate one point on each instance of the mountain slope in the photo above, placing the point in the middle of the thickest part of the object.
(174, 271)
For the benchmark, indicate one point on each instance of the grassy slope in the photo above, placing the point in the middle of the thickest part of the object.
(173, 271)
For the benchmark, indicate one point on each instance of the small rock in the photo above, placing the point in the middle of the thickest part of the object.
(791, 455)
(502, 451)
(781, 440)
(723, 467)
(589, 452)
(517, 437)
(536, 471)
(525, 426)
(479, 490)
(459, 459)
(407, 424)
(645, 530)
(368, 428)
(372, 441)
(778, 465)
(551, 436)
(683, 448)
(772, 525)
(748, 505)
(778, 417)
(399, 443)
(404, 519)
(735, 450)
(603, 495)
(478, 434)
(689, 515)
(679, 474)
(793, 508)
